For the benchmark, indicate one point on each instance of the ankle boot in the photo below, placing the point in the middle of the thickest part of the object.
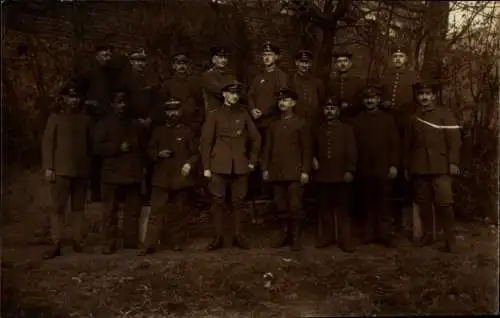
(53, 251)
(284, 236)
(447, 220)
(217, 243)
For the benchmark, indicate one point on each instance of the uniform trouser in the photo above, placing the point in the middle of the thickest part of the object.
(95, 177)
(65, 188)
(148, 181)
(435, 190)
(288, 197)
(334, 201)
(113, 195)
(375, 194)
(172, 206)
(238, 186)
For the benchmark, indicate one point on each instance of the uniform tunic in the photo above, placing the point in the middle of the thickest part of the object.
(311, 93)
(186, 89)
(262, 95)
(346, 87)
(213, 81)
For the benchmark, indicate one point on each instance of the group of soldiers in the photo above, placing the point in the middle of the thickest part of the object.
(354, 140)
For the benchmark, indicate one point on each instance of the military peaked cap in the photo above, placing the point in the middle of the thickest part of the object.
(304, 55)
(180, 57)
(270, 47)
(232, 86)
(71, 89)
(342, 54)
(219, 51)
(287, 92)
(139, 54)
(172, 103)
(332, 101)
(399, 48)
(425, 84)
(371, 90)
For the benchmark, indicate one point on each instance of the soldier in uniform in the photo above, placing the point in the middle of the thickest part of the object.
(144, 92)
(400, 103)
(310, 89)
(262, 95)
(98, 83)
(346, 86)
(174, 151)
(334, 164)
(378, 156)
(66, 153)
(119, 140)
(224, 152)
(286, 163)
(183, 86)
(215, 78)
(432, 151)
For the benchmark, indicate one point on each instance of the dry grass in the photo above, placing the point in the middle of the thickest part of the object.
(230, 283)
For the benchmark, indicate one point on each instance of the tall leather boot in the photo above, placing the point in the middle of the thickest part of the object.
(445, 216)
(427, 225)
(296, 236)
(217, 210)
(284, 238)
(238, 239)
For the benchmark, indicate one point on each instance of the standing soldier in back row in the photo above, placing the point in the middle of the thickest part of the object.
(346, 86)
(183, 86)
(310, 89)
(215, 78)
(399, 102)
(262, 95)
(432, 156)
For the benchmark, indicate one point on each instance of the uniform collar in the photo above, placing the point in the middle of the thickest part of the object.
(427, 109)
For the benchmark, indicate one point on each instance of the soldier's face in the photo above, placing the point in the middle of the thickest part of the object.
(343, 63)
(71, 100)
(303, 66)
(399, 59)
(173, 114)
(180, 67)
(331, 112)
(269, 58)
(138, 65)
(219, 61)
(103, 57)
(425, 97)
(231, 98)
(371, 102)
(286, 104)
(119, 105)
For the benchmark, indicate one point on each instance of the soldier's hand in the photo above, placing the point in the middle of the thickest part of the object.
(186, 169)
(50, 175)
(315, 164)
(348, 177)
(90, 102)
(251, 167)
(344, 105)
(454, 170)
(304, 178)
(207, 174)
(393, 172)
(256, 113)
(125, 146)
(165, 153)
(265, 175)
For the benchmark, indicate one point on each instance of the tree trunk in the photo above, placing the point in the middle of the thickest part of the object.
(436, 17)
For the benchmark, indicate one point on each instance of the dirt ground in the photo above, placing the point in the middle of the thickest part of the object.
(230, 283)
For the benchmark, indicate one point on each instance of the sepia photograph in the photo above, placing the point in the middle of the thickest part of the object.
(249, 158)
